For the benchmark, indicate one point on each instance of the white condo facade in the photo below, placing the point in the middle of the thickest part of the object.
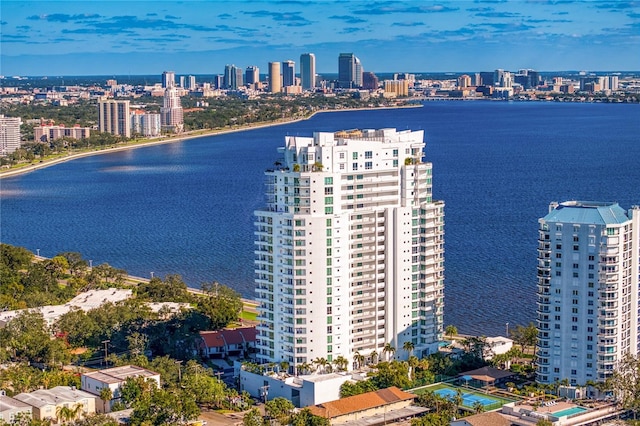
(349, 249)
(587, 310)
(9, 134)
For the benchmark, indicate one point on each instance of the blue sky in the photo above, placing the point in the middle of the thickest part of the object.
(200, 37)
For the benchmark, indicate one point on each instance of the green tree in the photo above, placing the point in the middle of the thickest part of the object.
(65, 414)
(408, 347)
(525, 336)
(451, 331)
(280, 409)
(478, 407)
(221, 304)
(544, 422)
(625, 383)
(306, 418)
(253, 418)
(106, 395)
(394, 373)
(388, 349)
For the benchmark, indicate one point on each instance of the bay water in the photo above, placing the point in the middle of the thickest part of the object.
(187, 207)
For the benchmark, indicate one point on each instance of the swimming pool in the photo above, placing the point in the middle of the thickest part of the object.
(569, 411)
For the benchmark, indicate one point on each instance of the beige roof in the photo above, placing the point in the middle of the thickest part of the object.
(7, 403)
(365, 401)
(53, 396)
(485, 419)
(120, 374)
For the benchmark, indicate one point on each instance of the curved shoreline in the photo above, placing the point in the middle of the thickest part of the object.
(180, 138)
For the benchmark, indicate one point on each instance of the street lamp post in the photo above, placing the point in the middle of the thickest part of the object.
(264, 391)
(105, 342)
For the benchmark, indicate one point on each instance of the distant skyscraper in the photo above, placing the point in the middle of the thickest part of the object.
(171, 114)
(182, 81)
(168, 79)
(486, 78)
(252, 75)
(308, 71)
(464, 81)
(369, 81)
(349, 71)
(239, 77)
(229, 76)
(288, 73)
(218, 81)
(613, 82)
(9, 134)
(114, 117)
(349, 249)
(587, 309)
(275, 79)
(191, 82)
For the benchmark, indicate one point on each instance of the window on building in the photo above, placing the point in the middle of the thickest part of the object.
(368, 154)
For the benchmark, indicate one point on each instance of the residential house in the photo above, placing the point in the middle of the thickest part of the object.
(11, 408)
(46, 403)
(113, 378)
(222, 343)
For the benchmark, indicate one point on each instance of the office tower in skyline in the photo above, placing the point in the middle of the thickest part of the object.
(349, 71)
(308, 71)
(171, 113)
(369, 81)
(288, 73)
(252, 75)
(275, 79)
(9, 134)
(349, 249)
(168, 79)
(218, 81)
(114, 117)
(231, 81)
(191, 82)
(182, 81)
(238, 80)
(587, 309)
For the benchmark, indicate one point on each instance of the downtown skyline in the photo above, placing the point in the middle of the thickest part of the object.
(92, 38)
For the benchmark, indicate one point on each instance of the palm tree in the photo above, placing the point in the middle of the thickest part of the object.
(389, 350)
(106, 395)
(457, 399)
(321, 363)
(341, 363)
(358, 359)
(66, 414)
(374, 357)
(451, 331)
(478, 407)
(408, 346)
(413, 362)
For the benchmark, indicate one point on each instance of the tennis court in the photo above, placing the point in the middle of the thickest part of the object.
(469, 397)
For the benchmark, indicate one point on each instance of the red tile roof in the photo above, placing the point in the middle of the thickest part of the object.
(365, 401)
(217, 339)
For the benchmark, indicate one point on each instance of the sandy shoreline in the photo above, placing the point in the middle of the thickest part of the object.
(183, 137)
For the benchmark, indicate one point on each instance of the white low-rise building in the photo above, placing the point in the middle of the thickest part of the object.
(302, 391)
(45, 403)
(113, 378)
(11, 408)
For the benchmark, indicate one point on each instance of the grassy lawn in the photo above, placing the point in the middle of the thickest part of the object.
(249, 316)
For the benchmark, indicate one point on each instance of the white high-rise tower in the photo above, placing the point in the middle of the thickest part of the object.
(349, 249)
(588, 267)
